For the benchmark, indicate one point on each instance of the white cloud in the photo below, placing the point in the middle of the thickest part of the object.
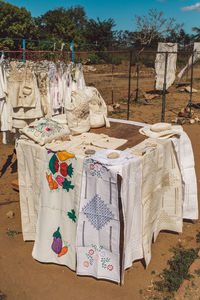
(195, 7)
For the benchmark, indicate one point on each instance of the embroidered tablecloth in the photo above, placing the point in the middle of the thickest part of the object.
(150, 195)
(98, 232)
(58, 209)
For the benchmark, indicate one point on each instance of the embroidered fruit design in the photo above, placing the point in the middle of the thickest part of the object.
(56, 166)
(66, 170)
(53, 164)
(65, 155)
(57, 244)
(63, 251)
(52, 183)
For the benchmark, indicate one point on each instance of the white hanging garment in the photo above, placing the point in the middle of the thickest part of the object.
(196, 57)
(171, 49)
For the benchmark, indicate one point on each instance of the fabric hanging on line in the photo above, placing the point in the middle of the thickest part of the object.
(33, 90)
(55, 240)
(196, 57)
(160, 65)
(3, 103)
(98, 231)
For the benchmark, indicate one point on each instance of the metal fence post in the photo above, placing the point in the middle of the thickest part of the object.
(191, 82)
(112, 84)
(72, 48)
(129, 83)
(24, 48)
(137, 87)
(164, 89)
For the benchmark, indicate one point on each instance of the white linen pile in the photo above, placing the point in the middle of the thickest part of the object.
(55, 240)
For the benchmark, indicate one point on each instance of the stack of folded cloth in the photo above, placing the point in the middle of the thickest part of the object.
(161, 130)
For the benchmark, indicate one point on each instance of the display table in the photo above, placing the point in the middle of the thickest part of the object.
(104, 216)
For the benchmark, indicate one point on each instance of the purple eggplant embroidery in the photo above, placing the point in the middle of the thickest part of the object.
(57, 244)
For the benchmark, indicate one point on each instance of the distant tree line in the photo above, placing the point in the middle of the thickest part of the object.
(63, 25)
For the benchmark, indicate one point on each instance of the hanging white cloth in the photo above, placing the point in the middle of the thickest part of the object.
(98, 232)
(171, 49)
(196, 57)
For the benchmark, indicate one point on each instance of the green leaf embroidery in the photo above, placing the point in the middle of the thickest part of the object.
(67, 185)
(70, 170)
(57, 233)
(72, 215)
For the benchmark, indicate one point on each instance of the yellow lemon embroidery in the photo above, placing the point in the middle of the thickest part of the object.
(65, 155)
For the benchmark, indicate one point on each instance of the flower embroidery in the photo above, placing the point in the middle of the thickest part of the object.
(48, 129)
(102, 253)
(86, 264)
(95, 168)
(98, 255)
(92, 167)
(110, 267)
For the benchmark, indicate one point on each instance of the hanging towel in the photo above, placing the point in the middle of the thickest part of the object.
(98, 232)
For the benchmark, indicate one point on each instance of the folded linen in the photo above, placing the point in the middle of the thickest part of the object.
(158, 131)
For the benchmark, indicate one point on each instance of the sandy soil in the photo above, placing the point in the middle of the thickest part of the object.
(23, 278)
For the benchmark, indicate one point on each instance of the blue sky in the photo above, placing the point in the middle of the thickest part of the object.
(123, 11)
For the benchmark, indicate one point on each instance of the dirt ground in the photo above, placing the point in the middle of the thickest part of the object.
(23, 278)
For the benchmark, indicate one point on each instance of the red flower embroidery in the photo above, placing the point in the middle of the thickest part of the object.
(91, 251)
(92, 167)
(48, 129)
(110, 267)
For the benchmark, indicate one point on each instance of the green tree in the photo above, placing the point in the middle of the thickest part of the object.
(61, 25)
(100, 33)
(15, 22)
(196, 36)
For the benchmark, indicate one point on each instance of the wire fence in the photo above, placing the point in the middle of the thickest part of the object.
(124, 77)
